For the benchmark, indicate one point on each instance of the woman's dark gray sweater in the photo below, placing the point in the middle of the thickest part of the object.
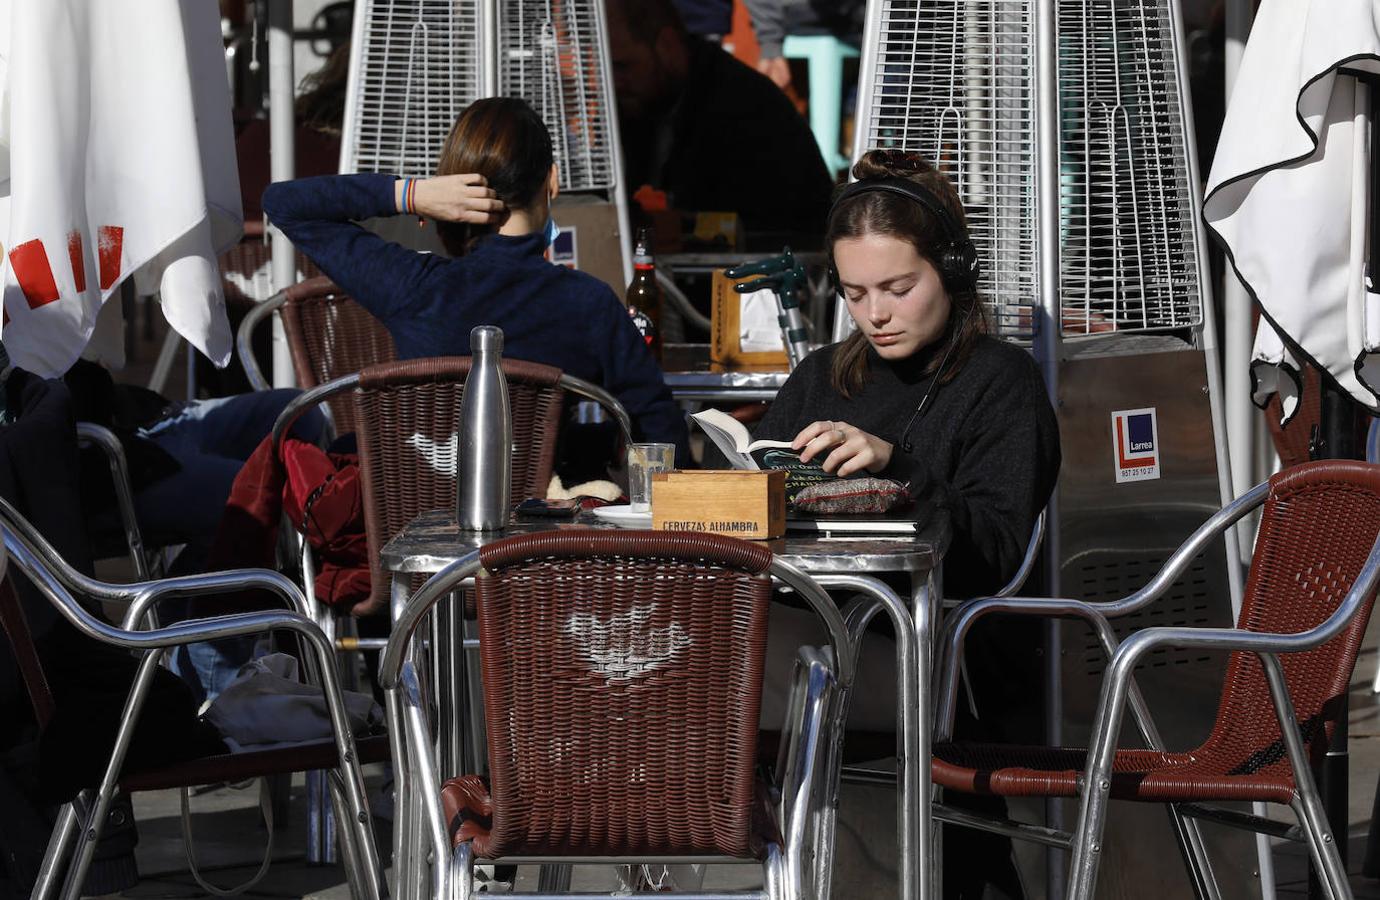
(985, 450)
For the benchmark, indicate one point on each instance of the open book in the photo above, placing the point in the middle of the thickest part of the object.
(733, 440)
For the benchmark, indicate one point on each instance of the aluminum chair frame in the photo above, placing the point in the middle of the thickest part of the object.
(244, 339)
(92, 435)
(806, 764)
(1119, 690)
(60, 584)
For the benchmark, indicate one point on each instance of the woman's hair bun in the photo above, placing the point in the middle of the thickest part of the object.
(898, 163)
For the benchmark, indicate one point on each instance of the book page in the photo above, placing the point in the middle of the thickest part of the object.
(728, 434)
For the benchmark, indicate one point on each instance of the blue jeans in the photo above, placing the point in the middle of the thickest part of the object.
(210, 439)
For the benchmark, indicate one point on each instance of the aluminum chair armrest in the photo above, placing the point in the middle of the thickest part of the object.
(823, 606)
(244, 339)
(1180, 560)
(22, 539)
(609, 402)
(150, 593)
(1032, 553)
(305, 401)
(93, 435)
(957, 625)
(1119, 672)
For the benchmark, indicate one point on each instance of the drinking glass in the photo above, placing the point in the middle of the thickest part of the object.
(644, 461)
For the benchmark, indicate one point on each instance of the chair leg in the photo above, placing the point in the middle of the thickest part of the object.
(1087, 843)
(828, 802)
(462, 872)
(1322, 847)
(1194, 851)
(1307, 804)
(90, 831)
(774, 873)
(349, 847)
(58, 855)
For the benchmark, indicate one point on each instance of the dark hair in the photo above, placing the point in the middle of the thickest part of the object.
(894, 215)
(503, 139)
(321, 105)
(645, 19)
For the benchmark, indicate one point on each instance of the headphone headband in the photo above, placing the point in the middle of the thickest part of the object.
(893, 184)
(959, 266)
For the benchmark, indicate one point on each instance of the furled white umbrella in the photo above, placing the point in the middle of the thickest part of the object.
(1287, 197)
(117, 159)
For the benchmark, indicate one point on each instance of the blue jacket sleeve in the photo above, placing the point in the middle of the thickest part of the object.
(319, 216)
(632, 375)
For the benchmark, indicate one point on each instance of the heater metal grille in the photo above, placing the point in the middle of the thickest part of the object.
(550, 55)
(1129, 254)
(955, 80)
(417, 68)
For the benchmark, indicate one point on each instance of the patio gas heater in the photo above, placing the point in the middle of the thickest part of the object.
(416, 64)
(1065, 126)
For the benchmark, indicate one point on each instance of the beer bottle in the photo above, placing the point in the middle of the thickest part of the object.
(644, 294)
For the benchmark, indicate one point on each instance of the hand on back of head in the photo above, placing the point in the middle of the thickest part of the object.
(459, 198)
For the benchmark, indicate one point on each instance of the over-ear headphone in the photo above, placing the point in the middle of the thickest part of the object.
(957, 259)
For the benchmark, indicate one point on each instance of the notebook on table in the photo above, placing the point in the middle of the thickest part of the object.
(836, 524)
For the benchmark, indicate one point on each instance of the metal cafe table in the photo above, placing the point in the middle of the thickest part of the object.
(839, 562)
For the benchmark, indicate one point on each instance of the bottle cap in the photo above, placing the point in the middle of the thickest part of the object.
(486, 339)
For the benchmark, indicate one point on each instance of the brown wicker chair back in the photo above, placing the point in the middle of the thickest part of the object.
(331, 335)
(406, 414)
(1318, 526)
(622, 682)
(244, 268)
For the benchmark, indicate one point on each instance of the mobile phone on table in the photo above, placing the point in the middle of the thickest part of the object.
(536, 507)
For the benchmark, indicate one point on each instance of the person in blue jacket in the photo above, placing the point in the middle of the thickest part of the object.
(491, 200)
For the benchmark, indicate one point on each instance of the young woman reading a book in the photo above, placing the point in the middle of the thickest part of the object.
(922, 395)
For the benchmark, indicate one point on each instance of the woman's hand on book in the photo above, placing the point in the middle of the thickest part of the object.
(850, 449)
(455, 198)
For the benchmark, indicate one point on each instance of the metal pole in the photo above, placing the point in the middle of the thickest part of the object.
(488, 48)
(1242, 419)
(1336, 439)
(1238, 335)
(1046, 348)
(282, 157)
(620, 195)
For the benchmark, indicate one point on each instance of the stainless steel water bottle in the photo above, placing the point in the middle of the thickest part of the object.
(485, 470)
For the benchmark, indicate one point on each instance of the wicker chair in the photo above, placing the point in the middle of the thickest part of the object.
(622, 673)
(1307, 602)
(81, 822)
(329, 335)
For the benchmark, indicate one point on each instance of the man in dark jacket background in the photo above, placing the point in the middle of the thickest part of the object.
(711, 132)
